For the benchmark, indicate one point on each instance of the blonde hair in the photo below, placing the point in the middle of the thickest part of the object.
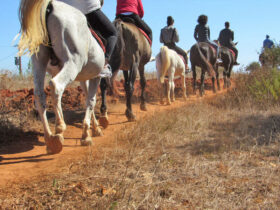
(32, 15)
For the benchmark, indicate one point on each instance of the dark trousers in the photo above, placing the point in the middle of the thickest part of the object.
(179, 50)
(139, 23)
(99, 21)
(234, 49)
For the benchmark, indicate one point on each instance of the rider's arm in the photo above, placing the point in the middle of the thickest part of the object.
(195, 35)
(176, 36)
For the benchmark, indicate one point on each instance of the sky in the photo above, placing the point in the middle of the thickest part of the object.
(250, 20)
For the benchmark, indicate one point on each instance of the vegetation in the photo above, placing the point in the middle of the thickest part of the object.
(272, 56)
(218, 153)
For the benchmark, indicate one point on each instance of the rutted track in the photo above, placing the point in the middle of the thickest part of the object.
(27, 160)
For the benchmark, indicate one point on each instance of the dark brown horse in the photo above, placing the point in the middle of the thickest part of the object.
(228, 59)
(203, 56)
(131, 53)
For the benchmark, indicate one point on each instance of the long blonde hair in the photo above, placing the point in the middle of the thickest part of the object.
(32, 16)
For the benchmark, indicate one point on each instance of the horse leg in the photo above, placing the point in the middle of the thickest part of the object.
(202, 82)
(194, 79)
(129, 88)
(217, 77)
(228, 76)
(57, 85)
(143, 86)
(171, 80)
(103, 120)
(39, 61)
(183, 80)
(168, 101)
(90, 104)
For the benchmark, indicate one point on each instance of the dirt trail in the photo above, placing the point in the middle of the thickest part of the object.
(33, 163)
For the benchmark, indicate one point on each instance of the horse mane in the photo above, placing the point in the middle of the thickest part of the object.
(165, 62)
(32, 17)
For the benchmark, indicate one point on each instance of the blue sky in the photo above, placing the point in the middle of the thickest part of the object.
(251, 20)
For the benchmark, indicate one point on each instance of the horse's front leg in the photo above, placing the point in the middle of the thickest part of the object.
(90, 104)
(129, 88)
(168, 91)
(143, 86)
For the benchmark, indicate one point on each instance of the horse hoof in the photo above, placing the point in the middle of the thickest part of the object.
(54, 144)
(103, 121)
(162, 102)
(168, 103)
(143, 107)
(86, 142)
(97, 132)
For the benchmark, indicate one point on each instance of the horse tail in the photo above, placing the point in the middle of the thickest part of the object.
(32, 16)
(165, 62)
(205, 63)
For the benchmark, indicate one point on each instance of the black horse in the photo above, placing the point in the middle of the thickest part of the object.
(228, 59)
(131, 53)
(204, 56)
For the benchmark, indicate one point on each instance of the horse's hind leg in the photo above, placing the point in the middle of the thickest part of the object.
(194, 79)
(217, 77)
(103, 120)
(202, 82)
(143, 86)
(90, 104)
(129, 88)
(39, 61)
(183, 80)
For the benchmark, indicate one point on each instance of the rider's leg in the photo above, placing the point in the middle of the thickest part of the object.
(234, 49)
(99, 21)
(141, 24)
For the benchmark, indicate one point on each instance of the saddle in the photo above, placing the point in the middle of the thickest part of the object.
(130, 20)
(98, 38)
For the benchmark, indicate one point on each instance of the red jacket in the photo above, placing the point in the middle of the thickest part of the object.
(134, 6)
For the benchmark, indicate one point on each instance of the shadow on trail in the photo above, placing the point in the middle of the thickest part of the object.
(25, 159)
(241, 135)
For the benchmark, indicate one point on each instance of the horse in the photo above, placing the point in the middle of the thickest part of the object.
(80, 59)
(203, 56)
(228, 59)
(169, 63)
(131, 53)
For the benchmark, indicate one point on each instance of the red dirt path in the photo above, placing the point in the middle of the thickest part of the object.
(26, 160)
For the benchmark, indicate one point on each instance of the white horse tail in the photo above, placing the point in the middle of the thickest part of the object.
(32, 15)
(165, 62)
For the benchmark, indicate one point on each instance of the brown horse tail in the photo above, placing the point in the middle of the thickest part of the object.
(165, 62)
(34, 32)
(205, 63)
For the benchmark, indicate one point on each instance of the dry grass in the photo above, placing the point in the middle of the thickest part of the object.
(195, 157)
(203, 156)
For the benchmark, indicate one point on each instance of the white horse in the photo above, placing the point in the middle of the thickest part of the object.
(80, 56)
(169, 63)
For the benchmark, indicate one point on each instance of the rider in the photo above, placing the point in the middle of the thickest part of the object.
(134, 10)
(169, 35)
(226, 38)
(202, 33)
(98, 21)
(268, 43)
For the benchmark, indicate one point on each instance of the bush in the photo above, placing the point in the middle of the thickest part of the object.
(271, 57)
